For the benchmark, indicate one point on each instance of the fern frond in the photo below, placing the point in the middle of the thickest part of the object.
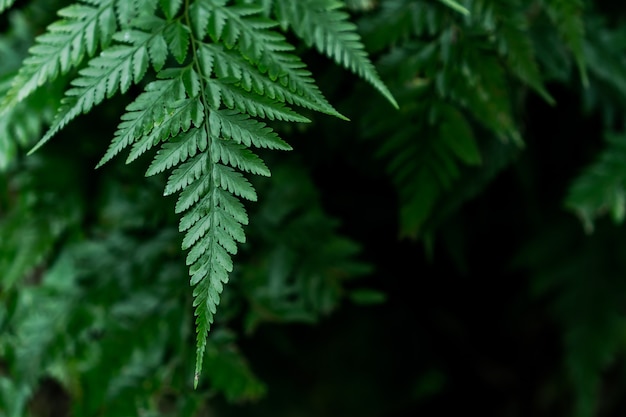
(62, 47)
(426, 158)
(187, 173)
(177, 150)
(233, 181)
(202, 109)
(180, 116)
(146, 112)
(170, 7)
(229, 64)
(239, 156)
(243, 129)
(115, 68)
(206, 155)
(265, 49)
(321, 23)
(177, 36)
(206, 146)
(252, 103)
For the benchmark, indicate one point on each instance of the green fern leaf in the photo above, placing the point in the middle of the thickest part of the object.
(321, 23)
(233, 182)
(254, 104)
(115, 68)
(203, 115)
(243, 129)
(239, 156)
(186, 173)
(267, 50)
(125, 12)
(196, 192)
(232, 26)
(170, 7)
(188, 197)
(214, 257)
(198, 234)
(177, 36)
(229, 64)
(63, 46)
(206, 297)
(180, 116)
(232, 205)
(178, 150)
(157, 48)
(361, 5)
(457, 134)
(147, 111)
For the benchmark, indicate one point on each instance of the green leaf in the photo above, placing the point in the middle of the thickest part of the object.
(319, 22)
(186, 173)
(177, 37)
(170, 7)
(145, 113)
(243, 129)
(178, 150)
(157, 49)
(227, 178)
(116, 67)
(238, 156)
(251, 103)
(62, 47)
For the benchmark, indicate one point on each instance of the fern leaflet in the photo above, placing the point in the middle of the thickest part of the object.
(62, 47)
(321, 23)
(268, 50)
(115, 68)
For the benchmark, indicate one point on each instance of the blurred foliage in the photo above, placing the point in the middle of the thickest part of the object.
(504, 164)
